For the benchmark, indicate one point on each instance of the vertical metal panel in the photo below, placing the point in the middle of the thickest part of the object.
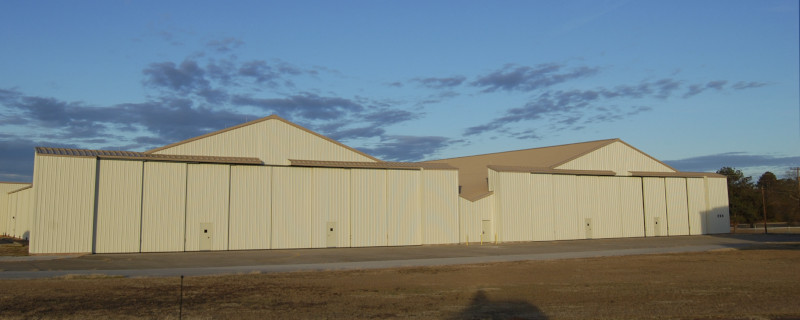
(24, 213)
(64, 218)
(677, 211)
(207, 196)
(542, 213)
(631, 210)
(588, 203)
(5, 188)
(513, 191)
(718, 217)
(119, 206)
(568, 222)
(440, 206)
(272, 141)
(12, 214)
(403, 207)
(695, 191)
(292, 195)
(163, 207)
(250, 207)
(655, 206)
(368, 190)
(331, 203)
(617, 157)
(607, 223)
(471, 216)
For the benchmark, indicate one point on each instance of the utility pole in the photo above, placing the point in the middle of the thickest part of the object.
(764, 204)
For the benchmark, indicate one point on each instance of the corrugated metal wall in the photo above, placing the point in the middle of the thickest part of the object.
(403, 207)
(331, 204)
(20, 208)
(718, 217)
(631, 207)
(472, 215)
(607, 221)
(5, 188)
(542, 213)
(696, 192)
(588, 205)
(368, 207)
(291, 207)
(440, 206)
(655, 207)
(250, 207)
(272, 141)
(514, 222)
(677, 210)
(119, 206)
(568, 222)
(163, 207)
(64, 208)
(207, 204)
(617, 157)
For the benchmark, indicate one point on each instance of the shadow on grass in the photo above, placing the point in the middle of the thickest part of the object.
(482, 308)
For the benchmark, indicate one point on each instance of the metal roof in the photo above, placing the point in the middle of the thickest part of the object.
(676, 174)
(132, 155)
(373, 165)
(552, 171)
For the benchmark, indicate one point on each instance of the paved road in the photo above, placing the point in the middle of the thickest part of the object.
(266, 261)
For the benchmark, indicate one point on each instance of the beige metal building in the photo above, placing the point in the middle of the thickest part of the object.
(271, 184)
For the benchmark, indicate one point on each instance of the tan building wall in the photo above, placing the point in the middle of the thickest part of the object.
(163, 207)
(119, 206)
(273, 141)
(440, 206)
(403, 207)
(697, 209)
(473, 216)
(655, 207)
(718, 217)
(291, 207)
(677, 206)
(64, 208)
(368, 207)
(5, 188)
(250, 208)
(631, 206)
(207, 195)
(331, 208)
(617, 157)
(542, 214)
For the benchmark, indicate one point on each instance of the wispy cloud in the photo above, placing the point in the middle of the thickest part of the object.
(408, 148)
(524, 78)
(441, 83)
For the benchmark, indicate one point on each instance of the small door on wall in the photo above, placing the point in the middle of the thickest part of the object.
(206, 236)
(486, 230)
(588, 226)
(332, 235)
(657, 226)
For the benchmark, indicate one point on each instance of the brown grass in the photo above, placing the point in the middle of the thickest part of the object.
(761, 282)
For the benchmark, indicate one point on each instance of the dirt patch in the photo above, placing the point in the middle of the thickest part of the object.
(760, 282)
(13, 247)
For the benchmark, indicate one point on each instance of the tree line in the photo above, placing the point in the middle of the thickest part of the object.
(748, 199)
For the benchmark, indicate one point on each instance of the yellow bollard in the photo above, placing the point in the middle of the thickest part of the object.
(467, 240)
(481, 238)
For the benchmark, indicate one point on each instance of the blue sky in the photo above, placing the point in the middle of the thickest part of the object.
(698, 84)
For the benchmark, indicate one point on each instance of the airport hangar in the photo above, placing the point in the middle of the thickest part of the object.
(272, 184)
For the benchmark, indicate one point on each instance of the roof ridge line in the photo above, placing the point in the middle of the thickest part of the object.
(500, 152)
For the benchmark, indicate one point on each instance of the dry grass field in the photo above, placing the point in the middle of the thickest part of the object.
(755, 283)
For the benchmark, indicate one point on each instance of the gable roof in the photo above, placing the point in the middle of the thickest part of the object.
(472, 173)
(271, 117)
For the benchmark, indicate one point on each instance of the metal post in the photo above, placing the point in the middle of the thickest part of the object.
(180, 312)
(764, 204)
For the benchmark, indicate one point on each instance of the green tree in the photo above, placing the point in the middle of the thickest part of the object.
(743, 197)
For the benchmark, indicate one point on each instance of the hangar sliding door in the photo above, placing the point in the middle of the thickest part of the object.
(542, 214)
(163, 206)
(696, 193)
(631, 210)
(369, 207)
(403, 207)
(330, 219)
(207, 195)
(655, 207)
(119, 206)
(677, 211)
(568, 224)
(291, 207)
(250, 207)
